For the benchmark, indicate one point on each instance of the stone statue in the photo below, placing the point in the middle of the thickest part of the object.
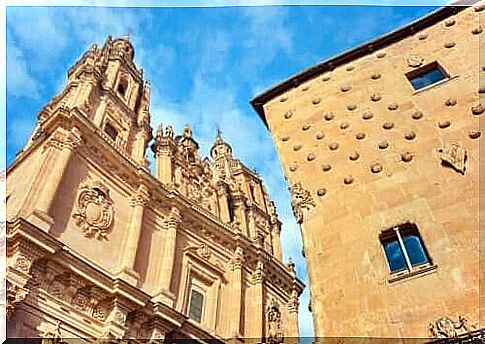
(275, 335)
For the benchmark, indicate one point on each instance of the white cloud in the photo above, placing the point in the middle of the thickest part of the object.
(20, 82)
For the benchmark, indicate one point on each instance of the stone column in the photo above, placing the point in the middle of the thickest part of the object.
(240, 211)
(141, 139)
(133, 234)
(223, 200)
(235, 310)
(18, 272)
(61, 146)
(166, 269)
(292, 325)
(100, 110)
(276, 241)
(252, 224)
(163, 148)
(255, 306)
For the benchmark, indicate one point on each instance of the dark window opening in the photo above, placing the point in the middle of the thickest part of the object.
(404, 248)
(426, 75)
(196, 305)
(110, 131)
(122, 87)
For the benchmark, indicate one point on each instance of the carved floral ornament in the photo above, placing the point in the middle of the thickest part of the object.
(445, 327)
(94, 214)
(301, 200)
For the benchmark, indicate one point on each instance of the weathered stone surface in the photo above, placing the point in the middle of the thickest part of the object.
(351, 285)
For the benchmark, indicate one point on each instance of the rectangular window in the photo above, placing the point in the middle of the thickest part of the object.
(404, 249)
(110, 131)
(426, 75)
(196, 305)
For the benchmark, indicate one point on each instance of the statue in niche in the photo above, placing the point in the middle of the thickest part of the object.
(275, 335)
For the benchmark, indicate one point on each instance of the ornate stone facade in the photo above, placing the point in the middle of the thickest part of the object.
(377, 157)
(100, 248)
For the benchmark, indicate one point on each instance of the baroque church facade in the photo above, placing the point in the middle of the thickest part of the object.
(98, 247)
(381, 146)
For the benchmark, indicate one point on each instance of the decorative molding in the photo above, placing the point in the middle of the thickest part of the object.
(94, 214)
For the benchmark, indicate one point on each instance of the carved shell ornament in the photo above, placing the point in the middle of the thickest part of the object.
(94, 214)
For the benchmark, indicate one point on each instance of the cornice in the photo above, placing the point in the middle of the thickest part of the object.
(71, 261)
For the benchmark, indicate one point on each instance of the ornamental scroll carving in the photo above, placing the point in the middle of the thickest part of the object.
(445, 327)
(94, 214)
(275, 334)
(454, 155)
(301, 199)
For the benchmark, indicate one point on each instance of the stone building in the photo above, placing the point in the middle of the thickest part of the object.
(380, 146)
(100, 248)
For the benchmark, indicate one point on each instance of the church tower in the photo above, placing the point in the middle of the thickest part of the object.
(100, 248)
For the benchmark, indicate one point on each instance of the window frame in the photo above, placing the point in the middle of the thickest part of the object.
(424, 69)
(398, 233)
(189, 303)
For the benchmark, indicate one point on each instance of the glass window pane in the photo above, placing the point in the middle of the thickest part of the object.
(394, 255)
(415, 249)
(427, 78)
(196, 303)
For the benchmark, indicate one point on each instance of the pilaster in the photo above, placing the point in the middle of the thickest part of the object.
(133, 233)
(165, 272)
(234, 323)
(59, 149)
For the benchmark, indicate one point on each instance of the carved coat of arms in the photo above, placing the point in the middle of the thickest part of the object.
(94, 213)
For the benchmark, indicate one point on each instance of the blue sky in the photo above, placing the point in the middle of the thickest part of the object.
(204, 64)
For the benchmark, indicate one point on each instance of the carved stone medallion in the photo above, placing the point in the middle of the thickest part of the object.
(94, 213)
(415, 60)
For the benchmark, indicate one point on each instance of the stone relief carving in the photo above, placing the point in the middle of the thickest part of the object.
(415, 60)
(95, 212)
(445, 327)
(275, 334)
(454, 155)
(301, 200)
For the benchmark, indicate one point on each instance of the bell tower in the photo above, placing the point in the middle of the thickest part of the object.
(107, 87)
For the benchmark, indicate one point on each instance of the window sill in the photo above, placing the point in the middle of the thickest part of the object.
(436, 84)
(418, 271)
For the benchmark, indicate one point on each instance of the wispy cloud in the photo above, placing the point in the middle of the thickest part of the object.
(20, 82)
